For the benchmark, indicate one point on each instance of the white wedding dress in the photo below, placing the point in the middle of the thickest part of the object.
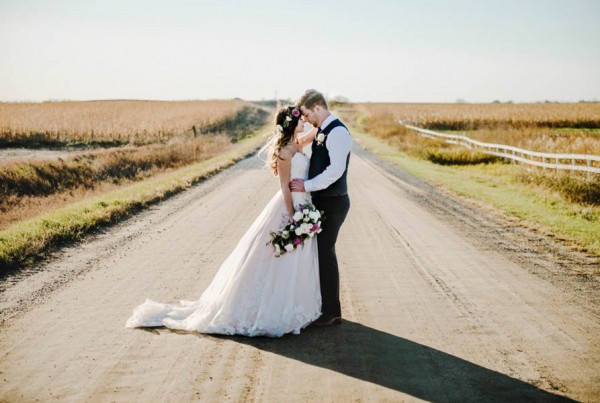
(253, 293)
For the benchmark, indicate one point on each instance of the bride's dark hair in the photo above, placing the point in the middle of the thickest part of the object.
(286, 122)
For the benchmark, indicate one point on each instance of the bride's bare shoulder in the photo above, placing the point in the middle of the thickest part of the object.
(287, 152)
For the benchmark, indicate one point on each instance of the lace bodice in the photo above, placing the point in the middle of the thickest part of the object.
(300, 163)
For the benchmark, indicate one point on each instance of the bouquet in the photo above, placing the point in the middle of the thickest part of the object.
(304, 224)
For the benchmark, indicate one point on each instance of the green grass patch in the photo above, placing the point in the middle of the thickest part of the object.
(25, 242)
(455, 156)
(497, 185)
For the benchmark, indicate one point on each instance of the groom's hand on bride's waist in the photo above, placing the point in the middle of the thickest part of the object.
(297, 185)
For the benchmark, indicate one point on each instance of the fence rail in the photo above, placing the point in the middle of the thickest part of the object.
(576, 162)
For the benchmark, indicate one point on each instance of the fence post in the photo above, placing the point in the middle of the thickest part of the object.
(589, 170)
(195, 132)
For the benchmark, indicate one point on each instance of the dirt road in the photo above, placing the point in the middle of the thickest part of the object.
(442, 300)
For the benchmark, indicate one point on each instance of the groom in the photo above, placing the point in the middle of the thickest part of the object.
(327, 184)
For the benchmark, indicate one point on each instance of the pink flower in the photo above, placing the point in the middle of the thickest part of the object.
(295, 112)
(297, 241)
(314, 228)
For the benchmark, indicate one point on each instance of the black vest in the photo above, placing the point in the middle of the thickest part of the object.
(319, 161)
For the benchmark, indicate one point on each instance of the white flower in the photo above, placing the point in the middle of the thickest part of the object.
(277, 249)
(285, 234)
(319, 230)
(314, 215)
(305, 211)
(280, 128)
(289, 119)
(289, 247)
(298, 216)
(298, 231)
(311, 234)
(320, 139)
(306, 219)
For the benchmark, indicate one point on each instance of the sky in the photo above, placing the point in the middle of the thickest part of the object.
(365, 51)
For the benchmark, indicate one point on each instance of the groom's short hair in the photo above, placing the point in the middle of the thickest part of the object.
(310, 98)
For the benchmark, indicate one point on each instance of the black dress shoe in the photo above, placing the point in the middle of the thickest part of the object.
(327, 321)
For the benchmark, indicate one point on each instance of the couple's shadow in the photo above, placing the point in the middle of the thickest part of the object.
(393, 362)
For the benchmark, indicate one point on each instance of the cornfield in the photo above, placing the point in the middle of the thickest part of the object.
(487, 116)
(120, 121)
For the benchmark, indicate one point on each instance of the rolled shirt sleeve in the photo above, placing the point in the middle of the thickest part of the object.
(339, 144)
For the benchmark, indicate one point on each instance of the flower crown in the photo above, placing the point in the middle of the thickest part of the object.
(291, 111)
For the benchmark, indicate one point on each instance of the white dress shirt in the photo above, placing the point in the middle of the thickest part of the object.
(339, 144)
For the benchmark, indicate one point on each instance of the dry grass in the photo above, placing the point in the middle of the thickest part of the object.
(18, 209)
(573, 188)
(26, 241)
(27, 185)
(169, 146)
(138, 122)
(558, 128)
(575, 141)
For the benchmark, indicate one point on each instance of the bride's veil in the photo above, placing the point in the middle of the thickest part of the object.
(263, 153)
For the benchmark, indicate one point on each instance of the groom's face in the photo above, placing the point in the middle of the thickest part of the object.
(310, 115)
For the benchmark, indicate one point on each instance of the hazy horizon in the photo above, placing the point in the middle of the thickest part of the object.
(290, 100)
(428, 51)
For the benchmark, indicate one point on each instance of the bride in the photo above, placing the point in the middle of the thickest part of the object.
(255, 293)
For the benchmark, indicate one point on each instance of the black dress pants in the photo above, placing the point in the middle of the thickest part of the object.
(335, 209)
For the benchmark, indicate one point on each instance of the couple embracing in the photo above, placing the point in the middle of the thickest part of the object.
(255, 292)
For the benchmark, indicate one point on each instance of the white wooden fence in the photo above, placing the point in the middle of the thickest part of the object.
(569, 162)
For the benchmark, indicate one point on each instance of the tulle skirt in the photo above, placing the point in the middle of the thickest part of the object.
(253, 293)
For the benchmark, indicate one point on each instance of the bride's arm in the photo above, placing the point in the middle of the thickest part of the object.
(284, 169)
(308, 137)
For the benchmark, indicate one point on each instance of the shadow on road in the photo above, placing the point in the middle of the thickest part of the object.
(400, 364)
